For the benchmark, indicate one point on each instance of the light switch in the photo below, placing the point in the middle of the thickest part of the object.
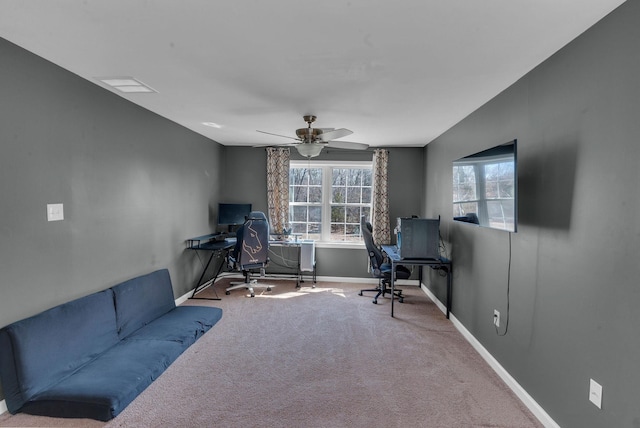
(55, 212)
(595, 393)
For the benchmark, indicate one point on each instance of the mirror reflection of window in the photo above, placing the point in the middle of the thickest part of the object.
(485, 188)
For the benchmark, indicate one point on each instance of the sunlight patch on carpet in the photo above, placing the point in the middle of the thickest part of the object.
(303, 291)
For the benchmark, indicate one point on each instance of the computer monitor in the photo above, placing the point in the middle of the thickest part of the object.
(231, 216)
(418, 238)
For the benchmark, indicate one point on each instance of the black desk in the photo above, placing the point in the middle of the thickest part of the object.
(216, 248)
(440, 264)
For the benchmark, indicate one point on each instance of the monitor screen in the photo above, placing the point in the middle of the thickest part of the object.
(485, 188)
(233, 214)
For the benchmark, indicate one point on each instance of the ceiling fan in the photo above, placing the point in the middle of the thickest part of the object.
(311, 141)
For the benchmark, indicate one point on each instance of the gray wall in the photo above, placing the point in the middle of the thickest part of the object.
(134, 187)
(574, 293)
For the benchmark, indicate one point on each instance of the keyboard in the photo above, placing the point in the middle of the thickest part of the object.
(392, 251)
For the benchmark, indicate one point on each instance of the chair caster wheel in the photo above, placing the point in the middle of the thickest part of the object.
(268, 288)
(227, 292)
(253, 295)
(375, 302)
(359, 294)
(401, 300)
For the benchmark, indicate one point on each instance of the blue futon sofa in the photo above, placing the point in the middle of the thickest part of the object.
(89, 358)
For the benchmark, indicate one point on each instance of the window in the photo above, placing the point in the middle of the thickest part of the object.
(327, 199)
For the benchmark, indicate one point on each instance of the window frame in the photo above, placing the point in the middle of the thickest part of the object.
(327, 182)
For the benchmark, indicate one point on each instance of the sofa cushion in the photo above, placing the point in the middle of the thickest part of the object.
(141, 300)
(104, 387)
(39, 351)
(184, 324)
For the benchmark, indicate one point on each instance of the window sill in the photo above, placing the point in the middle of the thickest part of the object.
(345, 245)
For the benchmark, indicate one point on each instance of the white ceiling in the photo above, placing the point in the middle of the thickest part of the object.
(395, 72)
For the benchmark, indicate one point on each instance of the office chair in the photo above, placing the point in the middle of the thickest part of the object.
(251, 251)
(380, 269)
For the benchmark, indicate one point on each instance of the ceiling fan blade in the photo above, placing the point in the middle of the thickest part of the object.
(347, 145)
(276, 145)
(278, 135)
(332, 135)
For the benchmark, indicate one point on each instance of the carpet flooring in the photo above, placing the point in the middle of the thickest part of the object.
(320, 357)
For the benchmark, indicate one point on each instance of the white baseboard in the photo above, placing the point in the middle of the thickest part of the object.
(520, 392)
(3, 407)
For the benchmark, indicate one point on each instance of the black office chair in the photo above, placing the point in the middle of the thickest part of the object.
(379, 268)
(251, 251)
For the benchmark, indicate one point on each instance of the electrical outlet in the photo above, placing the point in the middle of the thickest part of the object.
(496, 318)
(55, 212)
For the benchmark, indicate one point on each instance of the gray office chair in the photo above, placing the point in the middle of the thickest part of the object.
(379, 268)
(251, 251)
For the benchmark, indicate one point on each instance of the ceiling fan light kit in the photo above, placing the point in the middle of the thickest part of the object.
(309, 150)
(310, 141)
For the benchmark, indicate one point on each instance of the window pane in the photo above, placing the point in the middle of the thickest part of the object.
(339, 177)
(464, 183)
(315, 194)
(352, 232)
(337, 231)
(366, 212)
(298, 194)
(315, 214)
(299, 228)
(366, 195)
(366, 177)
(491, 189)
(337, 214)
(305, 176)
(315, 176)
(315, 228)
(499, 180)
(355, 177)
(353, 195)
(337, 195)
(353, 215)
(298, 176)
(299, 213)
(491, 171)
(500, 214)
(506, 189)
(314, 236)
(462, 209)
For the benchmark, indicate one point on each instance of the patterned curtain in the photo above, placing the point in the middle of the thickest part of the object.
(380, 209)
(278, 187)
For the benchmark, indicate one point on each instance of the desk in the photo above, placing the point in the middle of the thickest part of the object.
(440, 264)
(216, 248)
(305, 257)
